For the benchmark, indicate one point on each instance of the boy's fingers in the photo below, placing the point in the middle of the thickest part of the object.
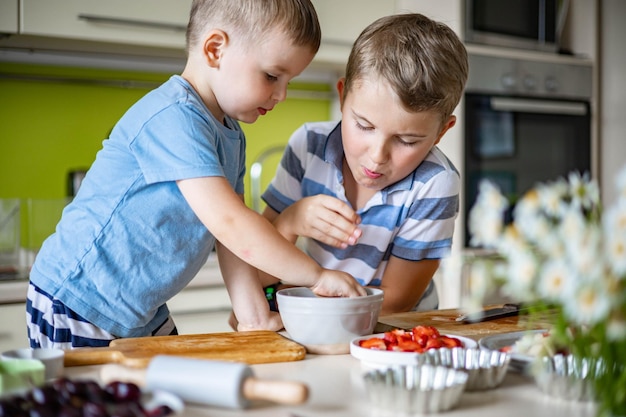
(341, 208)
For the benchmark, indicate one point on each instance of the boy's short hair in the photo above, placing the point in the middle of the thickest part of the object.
(423, 61)
(251, 19)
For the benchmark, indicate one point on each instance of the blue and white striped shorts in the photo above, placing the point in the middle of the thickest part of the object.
(51, 324)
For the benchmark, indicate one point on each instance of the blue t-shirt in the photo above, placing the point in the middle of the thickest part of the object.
(129, 241)
(412, 219)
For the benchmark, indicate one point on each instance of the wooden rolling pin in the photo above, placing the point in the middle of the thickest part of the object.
(207, 382)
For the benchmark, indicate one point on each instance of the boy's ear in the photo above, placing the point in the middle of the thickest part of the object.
(340, 86)
(214, 44)
(447, 125)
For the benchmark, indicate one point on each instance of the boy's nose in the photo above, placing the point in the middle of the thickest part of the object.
(378, 151)
(280, 94)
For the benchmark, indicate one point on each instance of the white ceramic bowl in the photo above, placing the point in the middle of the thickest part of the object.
(313, 320)
(51, 358)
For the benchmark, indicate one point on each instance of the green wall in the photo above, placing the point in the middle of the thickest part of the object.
(54, 119)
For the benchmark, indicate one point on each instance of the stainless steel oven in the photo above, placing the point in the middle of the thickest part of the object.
(526, 121)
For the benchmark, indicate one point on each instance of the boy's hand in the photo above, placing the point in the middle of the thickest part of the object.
(273, 324)
(337, 284)
(323, 218)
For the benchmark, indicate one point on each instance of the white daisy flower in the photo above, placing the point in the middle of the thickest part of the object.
(486, 216)
(573, 223)
(616, 327)
(528, 206)
(535, 229)
(551, 197)
(480, 280)
(522, 270)
(585, 253)
(552, 245)
(507, 240)
(555, 281)
(614, 225)
(584, 192)
(589, 305)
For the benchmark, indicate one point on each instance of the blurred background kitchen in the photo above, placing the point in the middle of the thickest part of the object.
(69, 69)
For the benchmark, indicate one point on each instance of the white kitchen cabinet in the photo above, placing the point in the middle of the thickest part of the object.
(13, 332)
(340, 32)
(8, 16)
(159, 23)
(338, 29)
(342, 22)
(449, 12)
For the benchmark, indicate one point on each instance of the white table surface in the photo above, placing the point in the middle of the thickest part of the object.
(336, 389)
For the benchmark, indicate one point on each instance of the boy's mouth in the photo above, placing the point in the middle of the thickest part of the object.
(371, 174)
(263, 111)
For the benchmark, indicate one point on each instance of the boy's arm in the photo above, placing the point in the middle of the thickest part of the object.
(321, 217)
(404, 282)
(246, 292)
(255, 241)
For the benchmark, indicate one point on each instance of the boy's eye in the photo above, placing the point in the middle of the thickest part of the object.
(405, 143)
(271, 77)
(361, 127)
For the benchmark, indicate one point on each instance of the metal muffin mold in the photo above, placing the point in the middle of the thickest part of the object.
(418, 389)
(567, 377)
(485, 368)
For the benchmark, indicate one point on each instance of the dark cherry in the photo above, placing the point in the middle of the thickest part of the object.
(41, 410)
(127, 409)
(70, 411)
(92, 409)
(123, 391)
(45, 395)
(160, 411)
(64, 397)
(94, 393)
(10, 408)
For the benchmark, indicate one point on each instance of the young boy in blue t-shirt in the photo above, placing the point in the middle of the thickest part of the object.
(168, 183)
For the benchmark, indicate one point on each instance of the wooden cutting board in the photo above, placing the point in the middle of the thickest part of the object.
(248, 347)
(445, 322)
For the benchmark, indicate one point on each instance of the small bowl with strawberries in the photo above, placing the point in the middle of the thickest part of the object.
(403, 347)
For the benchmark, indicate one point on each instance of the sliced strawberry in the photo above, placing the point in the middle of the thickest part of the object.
(451, 342)
(434, 344)
(428, 331)
(373, 343)
(410, 346)
(390, 338)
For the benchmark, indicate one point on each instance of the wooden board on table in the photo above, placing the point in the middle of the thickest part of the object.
(445, 322)
(248, 347)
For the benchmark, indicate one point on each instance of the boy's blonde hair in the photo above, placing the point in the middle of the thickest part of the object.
(251, 19)
(423, 61)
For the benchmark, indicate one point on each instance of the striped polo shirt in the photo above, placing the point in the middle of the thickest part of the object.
(412, 219)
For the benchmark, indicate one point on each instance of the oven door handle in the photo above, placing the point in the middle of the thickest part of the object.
(538, 106)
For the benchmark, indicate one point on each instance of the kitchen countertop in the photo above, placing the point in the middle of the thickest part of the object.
(336, 389)
(336, 386)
